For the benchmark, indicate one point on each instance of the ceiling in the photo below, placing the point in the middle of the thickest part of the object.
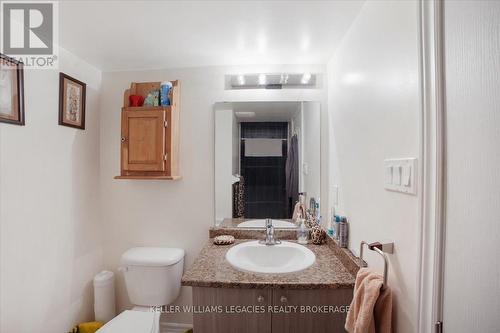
(127, 35)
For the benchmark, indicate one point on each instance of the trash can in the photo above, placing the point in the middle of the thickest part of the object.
(104, 296)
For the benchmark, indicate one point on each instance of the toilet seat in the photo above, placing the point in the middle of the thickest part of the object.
(131, 321)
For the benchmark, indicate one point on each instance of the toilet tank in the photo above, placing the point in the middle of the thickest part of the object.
(153, 274)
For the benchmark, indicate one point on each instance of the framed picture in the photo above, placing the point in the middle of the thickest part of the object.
(71, 102)
(11, 91)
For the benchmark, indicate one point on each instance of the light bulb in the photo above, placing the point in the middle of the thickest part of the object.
(262, 79)
(305, 78)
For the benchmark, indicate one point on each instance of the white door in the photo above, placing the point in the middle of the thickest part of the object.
(471, 298)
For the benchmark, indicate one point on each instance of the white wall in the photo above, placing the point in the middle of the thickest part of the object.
(235, 140)
(296, 127)
(472, 53)
(177, 213)
(224, 160)
(311, 153)
(50, 239)
(373, 99)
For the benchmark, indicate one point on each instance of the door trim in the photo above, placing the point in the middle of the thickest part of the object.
(433, 152)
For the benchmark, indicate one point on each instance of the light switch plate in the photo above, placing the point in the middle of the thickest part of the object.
(396, 175)
(400, 175)
(406, 175)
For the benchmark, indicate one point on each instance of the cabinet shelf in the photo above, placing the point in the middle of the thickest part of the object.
(150, 177)
(146, 108)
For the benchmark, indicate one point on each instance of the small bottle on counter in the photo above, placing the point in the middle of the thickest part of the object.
(337, 228)
(331, 226)
(302, 232)
(318, 211)
(343, 232)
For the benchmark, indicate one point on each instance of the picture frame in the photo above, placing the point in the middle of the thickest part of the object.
(11, 91)
(72, 94)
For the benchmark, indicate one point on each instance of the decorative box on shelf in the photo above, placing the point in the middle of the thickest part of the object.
(150, 135)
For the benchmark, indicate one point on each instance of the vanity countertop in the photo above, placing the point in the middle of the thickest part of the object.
(333, 269)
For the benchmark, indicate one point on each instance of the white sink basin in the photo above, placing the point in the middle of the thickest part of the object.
(254, 257)
(262, 224)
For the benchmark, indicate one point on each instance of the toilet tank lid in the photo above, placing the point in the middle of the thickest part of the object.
(152, 256)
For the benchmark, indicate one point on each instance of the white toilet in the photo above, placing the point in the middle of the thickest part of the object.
(153, 278)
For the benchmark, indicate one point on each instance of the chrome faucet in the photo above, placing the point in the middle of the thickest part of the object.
(270, 239)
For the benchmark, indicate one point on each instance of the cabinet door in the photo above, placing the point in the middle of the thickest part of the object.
(143, 140)
(228, 321)
(307, 317)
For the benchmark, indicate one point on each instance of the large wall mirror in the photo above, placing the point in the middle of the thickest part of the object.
(266, 154)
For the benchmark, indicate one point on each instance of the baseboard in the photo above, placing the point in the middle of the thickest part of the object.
(174, 327)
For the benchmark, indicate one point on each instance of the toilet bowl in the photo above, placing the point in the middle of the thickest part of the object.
(153, 279)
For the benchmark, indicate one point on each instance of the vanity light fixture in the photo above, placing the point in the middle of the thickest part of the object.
(284, 79)
(304, 80)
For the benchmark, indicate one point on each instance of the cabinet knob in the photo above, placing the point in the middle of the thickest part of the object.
(283, 299)
(123, 139)
(260, 299)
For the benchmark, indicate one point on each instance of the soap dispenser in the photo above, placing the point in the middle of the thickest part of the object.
(302, 232)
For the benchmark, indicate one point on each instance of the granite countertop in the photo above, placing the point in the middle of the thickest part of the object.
(332, 269)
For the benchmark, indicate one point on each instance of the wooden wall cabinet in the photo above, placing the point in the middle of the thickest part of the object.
(270, 321)
(150, 136)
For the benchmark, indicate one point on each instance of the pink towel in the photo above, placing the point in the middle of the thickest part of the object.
(371, 306)
(299, 211)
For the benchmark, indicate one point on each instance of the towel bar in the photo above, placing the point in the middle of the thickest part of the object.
(380, 248)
